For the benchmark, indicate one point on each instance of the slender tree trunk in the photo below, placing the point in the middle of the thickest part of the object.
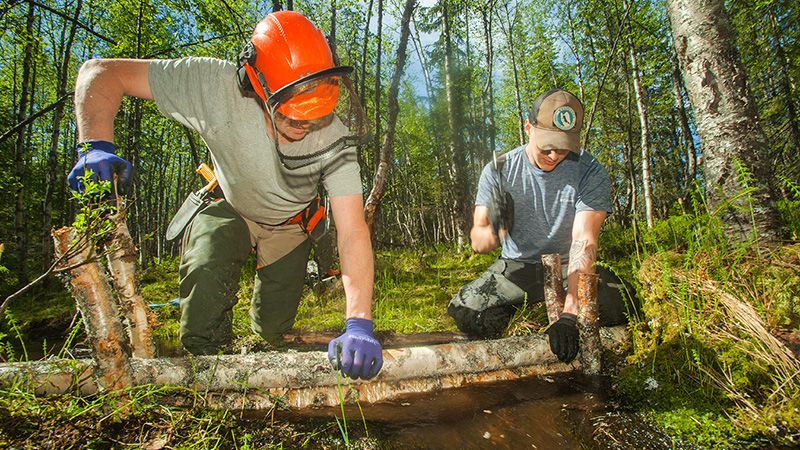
(424, 63)
(377, 94)
(690, 172)
(735, 153)
(461, 205)
(488, 87)
(517, 89)
(51, 175)
(645, 132)
(381, 179)
(20, 227)
(363, 77)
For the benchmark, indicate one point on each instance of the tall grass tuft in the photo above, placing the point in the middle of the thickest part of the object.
(707, 362)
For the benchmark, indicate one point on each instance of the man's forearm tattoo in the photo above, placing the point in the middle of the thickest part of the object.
(581, 255)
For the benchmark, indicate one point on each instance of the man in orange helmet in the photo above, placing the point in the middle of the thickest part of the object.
(278, 123)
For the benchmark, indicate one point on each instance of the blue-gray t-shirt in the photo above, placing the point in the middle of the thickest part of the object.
(545, 203)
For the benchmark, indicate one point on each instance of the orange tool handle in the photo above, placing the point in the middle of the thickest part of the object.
(208, 174)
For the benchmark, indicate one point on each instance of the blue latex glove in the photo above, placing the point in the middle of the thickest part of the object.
(564, 337)
(99, 157)
(356, 353)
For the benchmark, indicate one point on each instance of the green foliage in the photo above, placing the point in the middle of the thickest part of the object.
(708, 304)
(412, 290)
(92, 217)
(790, 214)
(148, 417)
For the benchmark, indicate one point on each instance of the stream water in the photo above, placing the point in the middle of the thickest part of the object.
(551, 412)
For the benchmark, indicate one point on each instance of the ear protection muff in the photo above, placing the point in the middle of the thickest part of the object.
(246, 56)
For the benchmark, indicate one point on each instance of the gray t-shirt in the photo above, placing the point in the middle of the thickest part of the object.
(203, 94)
(545, 203)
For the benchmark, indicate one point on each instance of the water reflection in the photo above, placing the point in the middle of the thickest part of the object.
(554, 412)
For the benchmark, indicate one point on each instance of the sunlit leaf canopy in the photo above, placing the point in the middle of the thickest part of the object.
(501, 55)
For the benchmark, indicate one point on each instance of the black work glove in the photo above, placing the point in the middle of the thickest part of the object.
(564, 338)
(501, 211)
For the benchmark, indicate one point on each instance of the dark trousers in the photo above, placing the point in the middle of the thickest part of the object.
(484, 307)
(215, 247)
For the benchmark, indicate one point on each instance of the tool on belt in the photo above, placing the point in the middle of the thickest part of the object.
(194, 203)
(312, 220)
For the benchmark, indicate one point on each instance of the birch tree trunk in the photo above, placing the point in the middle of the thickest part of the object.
(647, 188)
(122, 265)
(735, 153)
(381, 178)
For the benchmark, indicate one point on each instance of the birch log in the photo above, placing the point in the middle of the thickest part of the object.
(306, 379)
(122, 264)
(589, 323)
(96, 304)
(553, 286)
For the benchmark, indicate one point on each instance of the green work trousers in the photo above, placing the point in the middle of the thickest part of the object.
(215, 247)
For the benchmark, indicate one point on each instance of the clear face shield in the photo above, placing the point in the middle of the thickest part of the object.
(316, 117)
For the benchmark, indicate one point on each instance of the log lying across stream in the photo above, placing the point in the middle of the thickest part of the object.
(297, 379)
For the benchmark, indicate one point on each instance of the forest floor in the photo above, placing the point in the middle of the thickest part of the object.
(718, 386)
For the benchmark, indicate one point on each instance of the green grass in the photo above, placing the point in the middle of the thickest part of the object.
(695, 367)
(412, 290)
(703, 364)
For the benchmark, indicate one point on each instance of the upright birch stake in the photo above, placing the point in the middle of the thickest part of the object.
(553, 286)
(93, 294)
(589, 323)
(121, 263)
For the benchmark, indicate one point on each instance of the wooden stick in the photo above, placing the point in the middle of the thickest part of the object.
(96, 304)
(122, 265)
(553, 286)
(589, 323)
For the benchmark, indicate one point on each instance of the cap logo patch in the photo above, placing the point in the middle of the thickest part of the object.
(565, 118)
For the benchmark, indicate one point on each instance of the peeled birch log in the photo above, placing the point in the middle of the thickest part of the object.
(306, 379)
(553, 286)
(96, 304)
(121, 263)
(589, 323)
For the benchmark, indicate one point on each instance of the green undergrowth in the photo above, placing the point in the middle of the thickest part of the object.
(706, 363)
(153, 417)
(412, 290)
(411, 293)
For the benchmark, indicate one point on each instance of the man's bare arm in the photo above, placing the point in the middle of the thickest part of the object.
(355, 253)
(99, 88)
(582, 253)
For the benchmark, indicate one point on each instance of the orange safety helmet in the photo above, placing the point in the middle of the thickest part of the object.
(289, 56)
